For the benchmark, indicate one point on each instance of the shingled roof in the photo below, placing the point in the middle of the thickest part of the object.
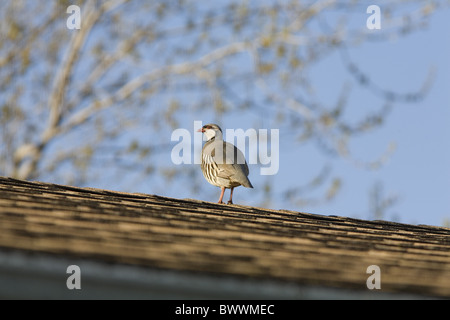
(162, 247)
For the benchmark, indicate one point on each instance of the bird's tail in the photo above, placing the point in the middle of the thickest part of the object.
(247, 184)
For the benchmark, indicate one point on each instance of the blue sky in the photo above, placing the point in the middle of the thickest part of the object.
(418, 171)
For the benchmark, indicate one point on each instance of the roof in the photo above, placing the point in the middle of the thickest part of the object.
(188, 245)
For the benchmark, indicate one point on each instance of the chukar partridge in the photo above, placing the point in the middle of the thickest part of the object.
(223, 165)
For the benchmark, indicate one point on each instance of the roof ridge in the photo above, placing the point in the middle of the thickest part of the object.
(131, 196)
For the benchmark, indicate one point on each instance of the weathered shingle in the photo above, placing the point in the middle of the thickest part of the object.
(207, 238)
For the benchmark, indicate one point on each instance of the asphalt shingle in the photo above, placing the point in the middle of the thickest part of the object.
(202, 237)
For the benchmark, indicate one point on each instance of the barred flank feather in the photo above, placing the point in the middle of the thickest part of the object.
(210, 169)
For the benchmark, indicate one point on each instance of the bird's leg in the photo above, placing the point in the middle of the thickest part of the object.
(231, 196)
(221, 195)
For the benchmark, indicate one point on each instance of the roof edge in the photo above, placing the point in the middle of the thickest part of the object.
(39, 276)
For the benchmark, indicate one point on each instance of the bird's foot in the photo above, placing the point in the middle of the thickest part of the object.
(220, 202)
(230, 202)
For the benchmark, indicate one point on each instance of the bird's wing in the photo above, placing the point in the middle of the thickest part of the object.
(232, 162)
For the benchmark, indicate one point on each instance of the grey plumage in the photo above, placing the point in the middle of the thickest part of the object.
(223, 165)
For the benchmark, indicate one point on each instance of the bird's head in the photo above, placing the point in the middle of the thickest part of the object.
(211, 131)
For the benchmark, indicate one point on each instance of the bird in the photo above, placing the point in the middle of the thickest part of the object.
(223, 164)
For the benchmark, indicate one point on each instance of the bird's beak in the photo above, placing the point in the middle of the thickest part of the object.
(200, 130)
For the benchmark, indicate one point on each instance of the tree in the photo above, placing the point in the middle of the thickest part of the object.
(379, 203)
(77, 101)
